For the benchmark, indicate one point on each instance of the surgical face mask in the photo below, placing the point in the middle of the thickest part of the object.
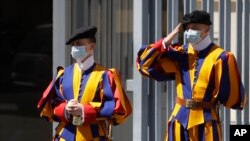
(193, 36)
(78, 52)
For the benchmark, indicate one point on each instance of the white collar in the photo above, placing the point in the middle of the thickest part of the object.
(86, 64)
(204, 43)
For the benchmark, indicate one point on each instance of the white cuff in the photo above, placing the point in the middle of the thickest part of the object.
(66, 115)
(163, 44)
(82, 114)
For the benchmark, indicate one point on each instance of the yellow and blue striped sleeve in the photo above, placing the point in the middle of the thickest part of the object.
(231, 91)
(157, 62)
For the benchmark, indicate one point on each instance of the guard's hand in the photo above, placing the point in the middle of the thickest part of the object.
(74, 108)
(170, 37)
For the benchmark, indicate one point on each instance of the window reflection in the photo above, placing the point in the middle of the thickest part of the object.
(26, 62)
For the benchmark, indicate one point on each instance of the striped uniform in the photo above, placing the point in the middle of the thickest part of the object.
(210, 75)
(101, 93)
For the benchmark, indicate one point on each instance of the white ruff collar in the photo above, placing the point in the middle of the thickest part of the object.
(204, 43)
(86, 64)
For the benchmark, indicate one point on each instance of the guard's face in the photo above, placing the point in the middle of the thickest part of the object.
(89, 46)
(203, 28)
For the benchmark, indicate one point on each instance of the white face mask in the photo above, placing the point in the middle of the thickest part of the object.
(78, 52)
(193, 36)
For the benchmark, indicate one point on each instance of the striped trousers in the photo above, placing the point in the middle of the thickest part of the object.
(208, 131)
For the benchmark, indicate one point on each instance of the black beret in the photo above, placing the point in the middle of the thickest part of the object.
(84, 32)
(197, 16)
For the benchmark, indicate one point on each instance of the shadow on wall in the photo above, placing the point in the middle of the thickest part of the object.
(27, 68)
(32, 64)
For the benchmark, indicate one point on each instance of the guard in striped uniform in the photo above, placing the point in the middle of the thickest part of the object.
(205, 74)
(85, 97)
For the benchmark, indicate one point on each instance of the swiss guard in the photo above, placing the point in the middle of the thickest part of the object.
(206, 76)
(86, 98)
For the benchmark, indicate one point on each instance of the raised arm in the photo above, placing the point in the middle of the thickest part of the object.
(159, 60)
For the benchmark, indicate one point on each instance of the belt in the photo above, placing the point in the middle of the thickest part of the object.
(192, 104)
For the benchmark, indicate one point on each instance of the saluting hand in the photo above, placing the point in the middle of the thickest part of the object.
(170, 37)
